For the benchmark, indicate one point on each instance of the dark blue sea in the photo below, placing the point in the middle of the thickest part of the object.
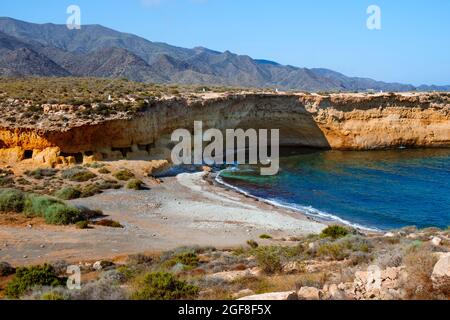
(375, 190)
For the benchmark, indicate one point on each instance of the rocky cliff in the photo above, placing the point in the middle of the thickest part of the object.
(338, 121)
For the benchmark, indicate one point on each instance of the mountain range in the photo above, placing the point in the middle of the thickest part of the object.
(29, 49)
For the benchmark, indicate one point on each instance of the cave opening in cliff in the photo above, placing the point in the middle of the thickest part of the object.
(124, 151)
(28, 154)
(77, 156)
(146, 147)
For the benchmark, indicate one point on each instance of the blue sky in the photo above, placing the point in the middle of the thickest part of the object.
(413, 45)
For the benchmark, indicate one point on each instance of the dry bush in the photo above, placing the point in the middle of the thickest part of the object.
(419, 262)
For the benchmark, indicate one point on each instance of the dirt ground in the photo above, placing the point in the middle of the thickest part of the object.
(182, 211)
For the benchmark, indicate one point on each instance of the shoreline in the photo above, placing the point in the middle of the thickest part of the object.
(318, 216)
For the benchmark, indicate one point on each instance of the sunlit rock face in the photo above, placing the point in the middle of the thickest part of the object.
(338, 121)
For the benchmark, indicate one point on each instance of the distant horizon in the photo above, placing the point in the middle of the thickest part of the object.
(408, 49)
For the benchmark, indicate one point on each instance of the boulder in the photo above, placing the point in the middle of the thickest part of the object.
(308, 293)
(379, 284)
(441, 272)
(274, 296)
(230, 276)
(436, 241)
(48, 156)
(243, 293)
(12, 155)
(100, 265)
(335, 292)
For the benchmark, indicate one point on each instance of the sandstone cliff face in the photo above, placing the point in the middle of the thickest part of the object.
(344, 121)
(386, 121)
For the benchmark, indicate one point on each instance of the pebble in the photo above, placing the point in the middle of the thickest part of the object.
(42, 245)
(25, 257)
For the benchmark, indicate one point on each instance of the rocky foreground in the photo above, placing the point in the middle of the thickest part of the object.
(338, 264)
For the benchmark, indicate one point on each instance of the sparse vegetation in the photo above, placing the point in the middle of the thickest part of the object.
(104, 171)
(82, 224)
(163, 286)
(11, 200)
(420, 262)
(207, 273)
(41, 173)
(135, 184)
(124, 175)
(27, 278)
(188, 260)
(78, 174)
(108, 223)
(265, 236)
(52, 210)
(68, 193)
(253, 244)
(334, 232)
(271, 259)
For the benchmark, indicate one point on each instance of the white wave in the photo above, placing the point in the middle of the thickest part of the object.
(307, 210)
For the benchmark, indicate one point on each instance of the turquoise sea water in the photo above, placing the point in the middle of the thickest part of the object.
(375, 189)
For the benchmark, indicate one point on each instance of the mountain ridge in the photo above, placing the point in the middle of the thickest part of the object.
(98, 51)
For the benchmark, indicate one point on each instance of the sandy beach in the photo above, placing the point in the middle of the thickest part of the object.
(186, 210)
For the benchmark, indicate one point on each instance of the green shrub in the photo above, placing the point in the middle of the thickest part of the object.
(269, 259)
(78, 174)
(82, 224)
(61, 214)
(272, 258)
(27, 278)
(6, 181)
(41, 173)
(52, 210)
(253, 244)
(90, 190)
(189, 259)
(108, 223)
(334, 232)
(11, 200)
(6, 269)
(36, 205)
(105, 185)
(124, 175)
(95, 165)
(163, 286)
(24, 182)
(52, 296)
(356, 243)
(135, 184)
(104, 171)
(265, 236)
(68, 193)
(335, 251)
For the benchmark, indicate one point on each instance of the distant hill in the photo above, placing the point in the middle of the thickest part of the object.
(29, 49)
